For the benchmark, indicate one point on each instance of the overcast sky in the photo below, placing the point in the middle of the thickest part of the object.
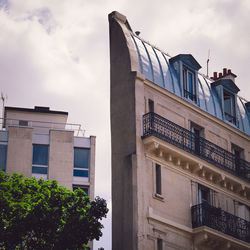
(56, 53)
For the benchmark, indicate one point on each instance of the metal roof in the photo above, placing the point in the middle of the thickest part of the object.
(155, 66)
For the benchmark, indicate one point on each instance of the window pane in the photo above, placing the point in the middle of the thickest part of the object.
(158, 178)
(81, 173)
(40, 154)
(81, 158)
(190, 83)
(85, 189)
(3, 156)
(39, 170)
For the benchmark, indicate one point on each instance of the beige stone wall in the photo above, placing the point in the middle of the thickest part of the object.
(181, 112)
(61, 157)
(19, 155)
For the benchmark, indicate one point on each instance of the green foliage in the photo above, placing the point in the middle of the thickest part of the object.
(38, 214)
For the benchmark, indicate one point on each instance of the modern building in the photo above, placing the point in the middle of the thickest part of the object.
(180, 150)
(39, 142)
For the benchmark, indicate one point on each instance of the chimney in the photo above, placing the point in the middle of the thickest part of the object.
(229, 71)
(224, 71)
(215, 76)
(220, 75)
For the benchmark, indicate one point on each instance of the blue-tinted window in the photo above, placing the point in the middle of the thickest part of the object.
(39, 170)
(81, 173)
(3, 156)
(84, 188)
(40, 154)
(81, 158)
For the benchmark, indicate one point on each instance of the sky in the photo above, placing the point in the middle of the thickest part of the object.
(56, 53)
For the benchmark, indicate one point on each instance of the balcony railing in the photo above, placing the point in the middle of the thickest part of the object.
(158, 126)
(220, 220)
(231, 118)
(42, 127)
(190, 95)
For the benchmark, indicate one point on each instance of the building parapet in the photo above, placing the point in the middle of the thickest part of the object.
(42, 127)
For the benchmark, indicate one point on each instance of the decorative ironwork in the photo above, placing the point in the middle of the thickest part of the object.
(231, 118)
(206, 215)
(190, 95)
(158, 126)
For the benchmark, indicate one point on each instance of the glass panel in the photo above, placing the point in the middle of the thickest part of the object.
(81, 173)
(40, 154)
(190, 82)
(185, 81)
(158, 178)
(85, 189)
(3, 156)
(81, 158)
(39, 170)
(227, 104)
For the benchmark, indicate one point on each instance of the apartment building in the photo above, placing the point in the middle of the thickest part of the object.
(39, 142)
(180, 150)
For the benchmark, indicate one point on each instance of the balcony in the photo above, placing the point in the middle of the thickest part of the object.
(221, 221)
(160, 127)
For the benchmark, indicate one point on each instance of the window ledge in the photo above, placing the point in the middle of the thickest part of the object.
(158, 197)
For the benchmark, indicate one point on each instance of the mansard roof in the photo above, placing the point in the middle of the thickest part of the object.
(156, 66)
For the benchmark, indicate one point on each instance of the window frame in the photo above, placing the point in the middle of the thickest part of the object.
(5, 156)
(158, 180)
(230, 116)
(85, 171)
(189, 90)
(44, 167)
(76, 186)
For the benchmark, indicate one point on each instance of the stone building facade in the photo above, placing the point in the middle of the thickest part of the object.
(180, 150)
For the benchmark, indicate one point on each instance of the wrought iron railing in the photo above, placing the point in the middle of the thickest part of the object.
(158, 126)
(206, 215)
(190, 95)
(231, 118)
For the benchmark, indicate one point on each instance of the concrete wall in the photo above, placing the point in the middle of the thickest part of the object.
(61, 157)
(123, 130)
(19, 155)
(92, 167)
(45, 120)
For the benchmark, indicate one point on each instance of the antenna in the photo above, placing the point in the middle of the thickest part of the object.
(208, 61)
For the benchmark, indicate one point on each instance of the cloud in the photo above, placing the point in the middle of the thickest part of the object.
(56, 53)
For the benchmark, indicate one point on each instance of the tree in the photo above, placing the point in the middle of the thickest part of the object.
(39, 214)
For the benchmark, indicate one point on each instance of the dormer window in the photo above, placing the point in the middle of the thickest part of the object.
(189, 87)
(229, 107)
(187, 69)
(227, 91)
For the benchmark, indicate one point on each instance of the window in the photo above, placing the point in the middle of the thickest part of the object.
(238, 155)
(3, 156)
(23, 123)
(159, 244)
(40, 160)
(203, 194)
(198, 132)
(229, 107)
(81, 162)
(150, 105)
(189, 84)
(84, 188)
(158, 179)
